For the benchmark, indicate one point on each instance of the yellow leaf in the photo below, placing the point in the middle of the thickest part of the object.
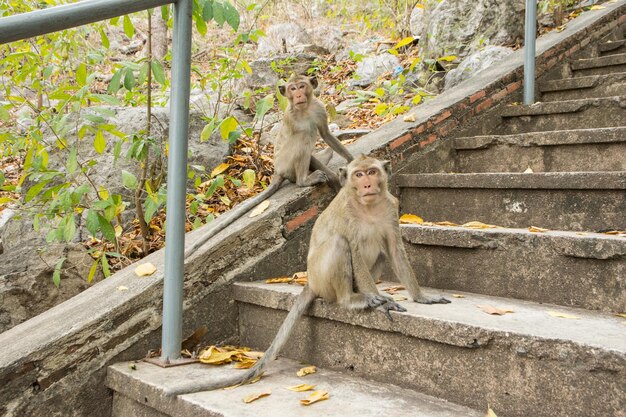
(122, 288)
(494, 310)
(118, 230)
(404, 42)
(621, 315)
(479, 225)
(394, 289)
(490, 412)
(536, 229)
(298, 275)
(219, 169)
(315, 397)
(216, 356)
(562, 315)
(260, 208)
(301, 387)
(307, 370)
(281, 280)
(245, 364)
(596, 7)
(458, 295)
(447, 58)
(446, 224)
(301, 281)
(145, 269)
(419, 6)
(411, 219)
(254, 397)
(398, 297)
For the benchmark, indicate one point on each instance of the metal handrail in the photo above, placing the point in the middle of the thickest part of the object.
(530, 28)
(40, 22)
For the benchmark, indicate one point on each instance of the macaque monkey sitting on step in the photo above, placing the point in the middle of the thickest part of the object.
(350, 242)
(305, 119)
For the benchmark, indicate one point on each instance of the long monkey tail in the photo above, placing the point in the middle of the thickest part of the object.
(302, 303)
(239, 210)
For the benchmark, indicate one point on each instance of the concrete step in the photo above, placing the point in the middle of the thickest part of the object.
(584, 87)
(526, 363)
(563, 115)
(601, 149)
(141, 392)
(600, 65)
(566, 268)
(612, 47)
(580, 201)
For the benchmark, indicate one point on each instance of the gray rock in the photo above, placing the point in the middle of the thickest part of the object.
(369, 69)
(461, 27)
(264, 75)
(417, 22)
(281, 36)
(474, 63)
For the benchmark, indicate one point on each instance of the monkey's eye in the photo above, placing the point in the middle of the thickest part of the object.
(358, 174)
(293, 88)
(371, 172)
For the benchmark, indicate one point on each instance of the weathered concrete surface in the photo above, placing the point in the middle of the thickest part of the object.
(565, 150)
(527, 363)
(563, 115)
(556, 200)
(612, 47)
(349, 396)
(601, 65)
(613, 84)
(554, 267)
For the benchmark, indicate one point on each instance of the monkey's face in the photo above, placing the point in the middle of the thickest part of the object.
(367, 183)
(299, 93)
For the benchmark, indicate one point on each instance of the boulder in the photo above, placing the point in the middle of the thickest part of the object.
(474, 63)
(370, 68)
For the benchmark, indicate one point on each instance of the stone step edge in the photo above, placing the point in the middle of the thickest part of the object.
(611, 45)
(603, 61)
(576, 83)
(559, 107)
(615, 180)
(549, 138)
(587, 245)
(531, 326)
(348, 395)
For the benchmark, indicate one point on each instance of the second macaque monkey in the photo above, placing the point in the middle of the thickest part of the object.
(350, 242)
(305, 119)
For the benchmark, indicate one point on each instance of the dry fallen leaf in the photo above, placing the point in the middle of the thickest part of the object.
(118, 230)
(596, 7)
(529, 170)
(245, 364)
(315, 397)
(301, 388)
(458, 295)
(409, 118)
(217, 356)
(562, 315)
(219, 169)
(445, 224)
(307, 370)
(411, 219)
(399, 297)
(494, 310)
(145, 269)
(394, 289)
(259, 209)
(621, 315)
(490, 412)
(254, 397)
(122, 288)
(536, 229)
(299, 275)
(479, 225)
(281, 280)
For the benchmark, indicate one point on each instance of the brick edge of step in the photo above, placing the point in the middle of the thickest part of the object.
(560, 107)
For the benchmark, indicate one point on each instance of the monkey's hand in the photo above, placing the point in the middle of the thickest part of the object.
(391, 306)
(431, 300)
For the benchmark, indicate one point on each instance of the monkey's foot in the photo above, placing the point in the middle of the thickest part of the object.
(432, 300)
(377, 300)
(391, 306)
(316, 177)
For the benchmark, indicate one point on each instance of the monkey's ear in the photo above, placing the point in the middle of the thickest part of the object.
(343, 176)
(313, 81)
(281, 89)
(387, 167)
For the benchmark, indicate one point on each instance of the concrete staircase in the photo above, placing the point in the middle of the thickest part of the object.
(561, 352)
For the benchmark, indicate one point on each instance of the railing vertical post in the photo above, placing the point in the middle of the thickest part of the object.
(176, 183)
(529, 51)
